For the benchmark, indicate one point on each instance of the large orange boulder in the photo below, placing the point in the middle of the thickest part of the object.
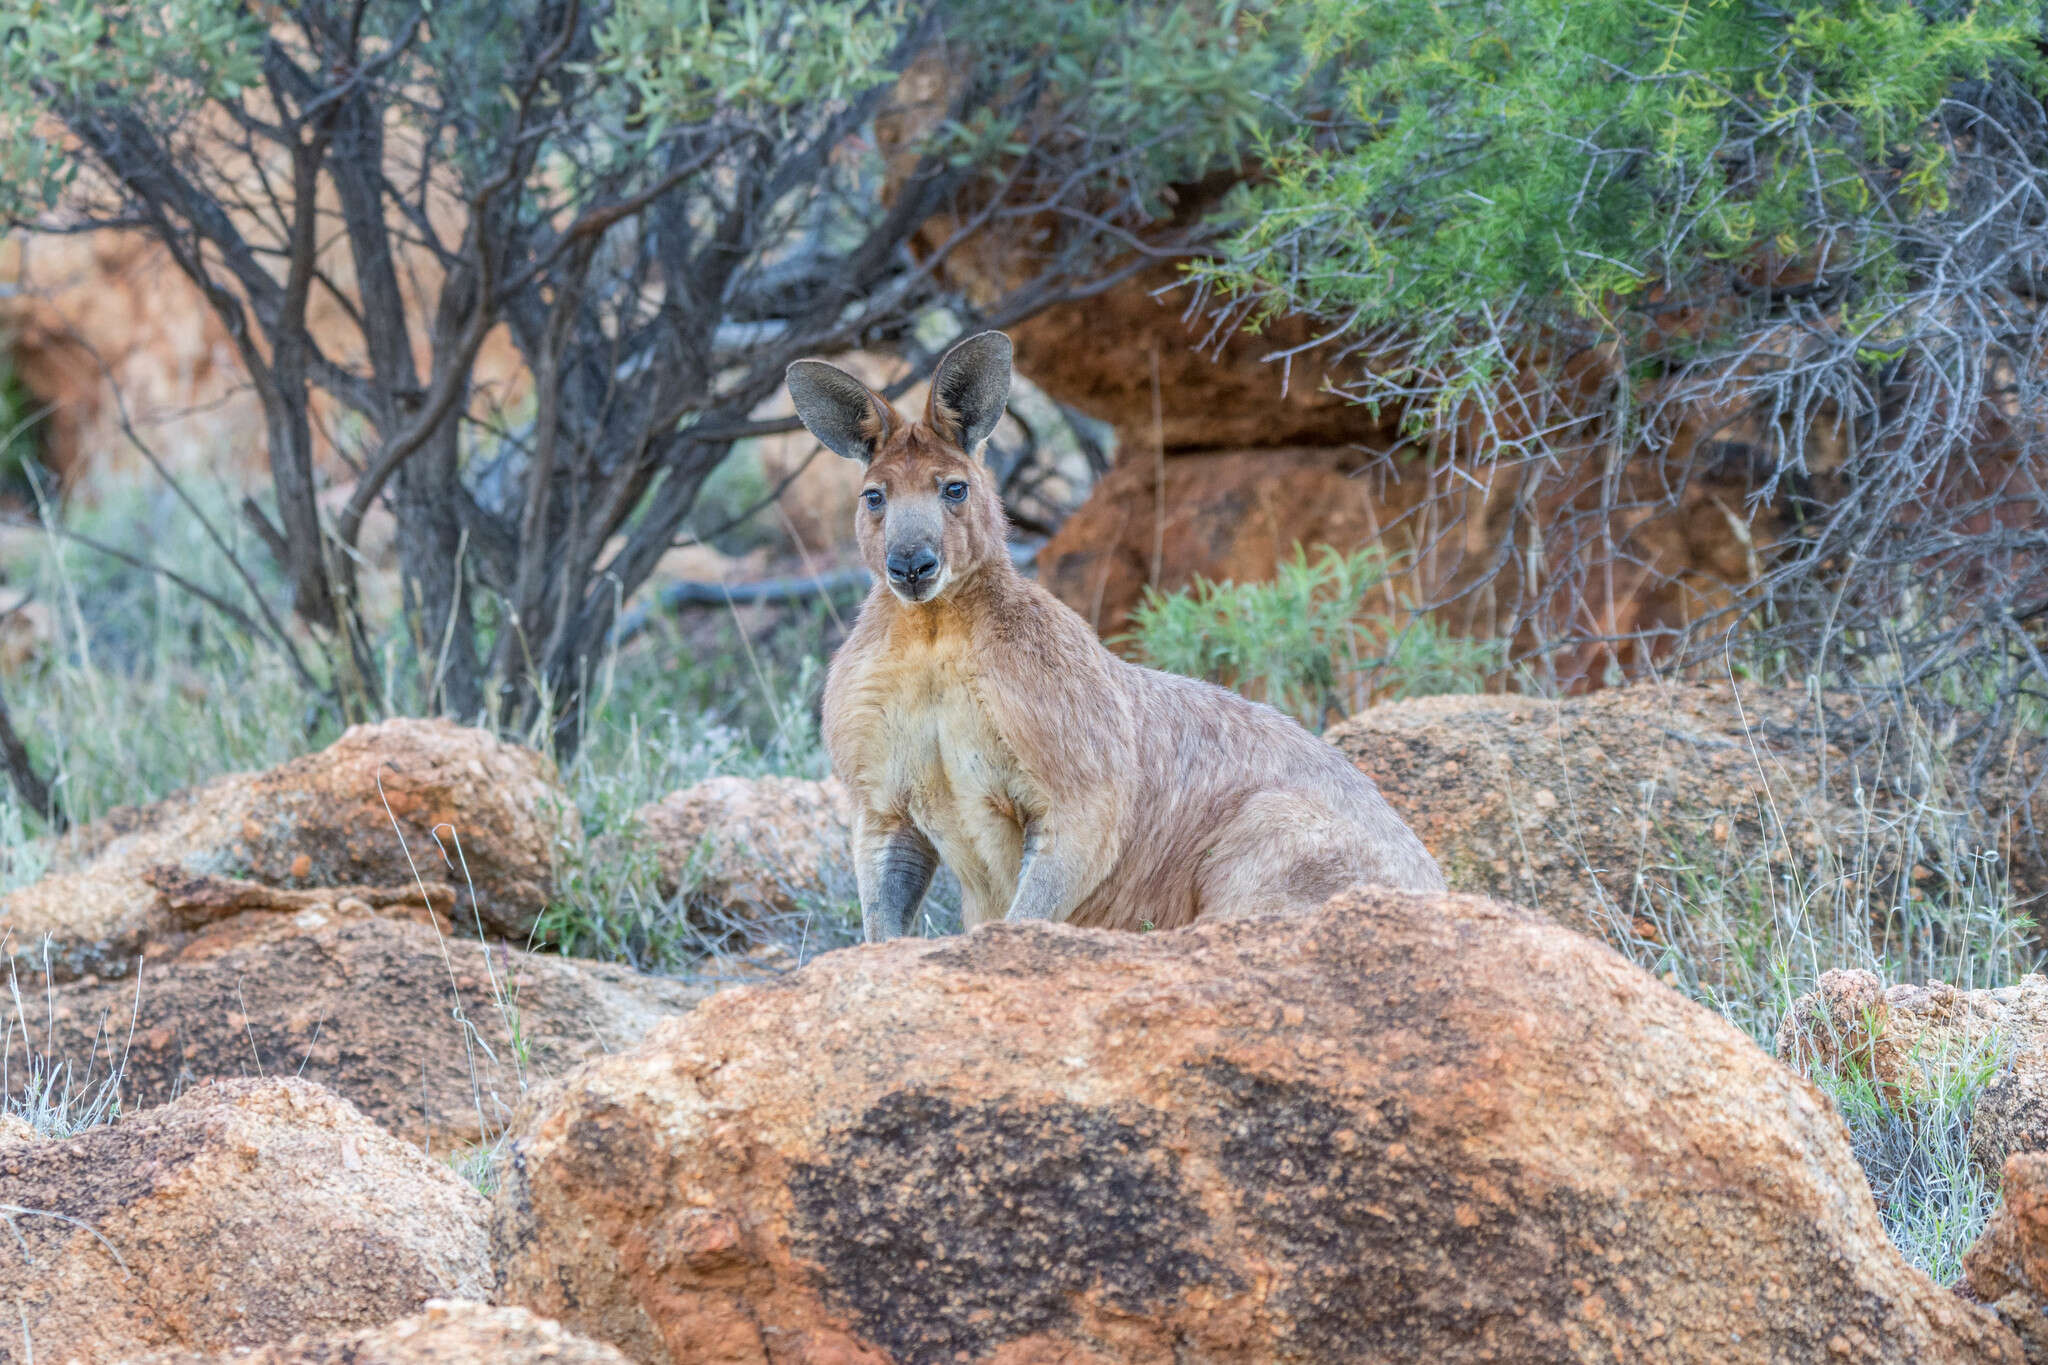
(243, 1212)
(392, 814)
(1404, 1127)
(434, 1036)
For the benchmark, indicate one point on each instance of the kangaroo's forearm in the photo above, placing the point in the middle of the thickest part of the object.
(900, 872)
(1056, 876)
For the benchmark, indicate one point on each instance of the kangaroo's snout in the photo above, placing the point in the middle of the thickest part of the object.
(913, 568)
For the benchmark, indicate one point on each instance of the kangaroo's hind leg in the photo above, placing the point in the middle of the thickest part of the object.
(1287, 853)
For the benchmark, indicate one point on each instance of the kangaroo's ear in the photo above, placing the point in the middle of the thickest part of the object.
(849, 417)
(969, 389)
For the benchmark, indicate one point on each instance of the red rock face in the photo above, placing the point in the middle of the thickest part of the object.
(1460, 537)
(1405, 1127)
(84, 318)
(1132, 357)
(2008, 1267)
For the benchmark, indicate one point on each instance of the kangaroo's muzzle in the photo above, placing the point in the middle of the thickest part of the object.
(913, 571)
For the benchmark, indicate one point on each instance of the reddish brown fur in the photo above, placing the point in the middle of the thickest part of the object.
(989, 726)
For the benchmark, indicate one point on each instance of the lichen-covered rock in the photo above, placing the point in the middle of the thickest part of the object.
(1404, 1127)
(415, 1028)
(447, 1332)
(1607, 809)
(345, 817)
(2008, 1267)
(243, 1212)
(750, 848)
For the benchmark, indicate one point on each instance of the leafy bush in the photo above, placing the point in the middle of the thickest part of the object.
(1500, 166)
(1304, 642)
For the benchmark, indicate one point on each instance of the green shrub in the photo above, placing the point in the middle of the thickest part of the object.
(1303, 642)
(1493, 169)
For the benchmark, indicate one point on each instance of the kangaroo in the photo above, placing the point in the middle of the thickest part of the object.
(976, 719)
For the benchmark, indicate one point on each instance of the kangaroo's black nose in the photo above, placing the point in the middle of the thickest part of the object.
(912, 567)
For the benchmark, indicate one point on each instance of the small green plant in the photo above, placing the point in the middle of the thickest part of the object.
(54, 1097)
(1915, 1151)
(1304, 642)
(21, 423)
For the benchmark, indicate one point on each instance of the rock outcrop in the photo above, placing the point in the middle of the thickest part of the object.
(1910, 1040)
(744, 849)
(1235, 512)
(448, 1332)
(244, 1212)
(2011, 1113)
(1905, 1036)
(351, 822)
(83, 318)
(1228, 516)
(1134, 358)
(1413, 1127)
(1596, 808)
(2008, 1267)
(433, 1036)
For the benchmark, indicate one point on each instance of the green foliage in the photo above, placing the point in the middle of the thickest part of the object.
(685, 60)
(1487, 168)
(155, 62)
(1184, 84)
(21, 419)
(1189, 84)
(1304, 642)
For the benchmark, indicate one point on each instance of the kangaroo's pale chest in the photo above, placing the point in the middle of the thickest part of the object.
(919, 741)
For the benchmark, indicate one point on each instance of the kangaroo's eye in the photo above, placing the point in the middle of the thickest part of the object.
(955, 491)
(873, 498)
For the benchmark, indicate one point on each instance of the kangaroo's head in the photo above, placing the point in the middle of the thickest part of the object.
(929, 517)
